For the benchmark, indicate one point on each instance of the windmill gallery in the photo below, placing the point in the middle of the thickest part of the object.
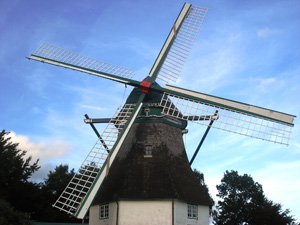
(138, 171)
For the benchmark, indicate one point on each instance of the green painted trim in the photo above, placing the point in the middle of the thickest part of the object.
(159, 121)
(157, 69)
(113, 77)
(153, 111)
(141, 98)
(49, 223)
(161, 89)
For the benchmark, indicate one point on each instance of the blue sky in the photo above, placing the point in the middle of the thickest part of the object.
(247, 51)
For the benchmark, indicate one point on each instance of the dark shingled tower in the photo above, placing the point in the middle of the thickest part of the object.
(152, 162)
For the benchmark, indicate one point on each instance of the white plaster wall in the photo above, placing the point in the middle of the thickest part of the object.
(149, 212)
(180, 212)
(94, 215)
(203, 215)
(145, 212)
(180, 215)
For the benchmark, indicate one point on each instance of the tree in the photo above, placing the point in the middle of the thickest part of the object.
(15, 170)
(271, 213)
(57, 180)
(244, 203)
(14, 167)
(9, 216)
(239, 194)
(200, 177)
(22, 200)
(52, 187)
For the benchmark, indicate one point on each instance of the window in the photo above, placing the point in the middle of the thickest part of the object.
(192, 211)
(103, 211)
(148, 151)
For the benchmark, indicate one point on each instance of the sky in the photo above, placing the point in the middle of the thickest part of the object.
(246, 51)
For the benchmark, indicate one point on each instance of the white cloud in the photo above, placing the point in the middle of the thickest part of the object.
(213, 64)
(141, 48)
(36, 110)
(231, 161)
(43, 151)
(46, 152)
(286, 166)
(264, 84)
(38, 81)
(93, 107)
(264, 32)
(281, 184)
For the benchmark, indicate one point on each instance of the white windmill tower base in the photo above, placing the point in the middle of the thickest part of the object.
(167, 212)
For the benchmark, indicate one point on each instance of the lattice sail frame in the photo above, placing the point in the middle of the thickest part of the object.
(228, 119)
(182, 44)
(58, 55)
(74, 194)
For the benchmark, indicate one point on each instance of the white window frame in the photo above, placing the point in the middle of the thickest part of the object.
(148, 151)
(192, 211)
(104, 211)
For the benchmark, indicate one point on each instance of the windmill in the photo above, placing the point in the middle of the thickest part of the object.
(140, 155)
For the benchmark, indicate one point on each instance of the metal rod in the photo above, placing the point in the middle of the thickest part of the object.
(203, 138)
(103, 120)
(97, 133)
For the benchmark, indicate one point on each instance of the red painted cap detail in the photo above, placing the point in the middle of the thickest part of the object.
(145, 85)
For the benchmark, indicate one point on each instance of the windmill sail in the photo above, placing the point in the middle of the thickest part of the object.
(61, 57)
(78, 191)
(233, 116)
(175, 51)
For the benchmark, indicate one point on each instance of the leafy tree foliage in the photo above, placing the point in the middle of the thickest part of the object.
(271, 213)
(58, 179)
(244, 203)
(200, 177)
(22, 200)
(15, 170)
(9, 216)
(52, 187)
(14, 167)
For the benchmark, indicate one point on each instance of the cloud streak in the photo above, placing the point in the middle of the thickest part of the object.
(42, 150)
(47, 153)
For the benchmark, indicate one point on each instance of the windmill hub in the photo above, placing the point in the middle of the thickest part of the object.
(151, 109)
(145, 86)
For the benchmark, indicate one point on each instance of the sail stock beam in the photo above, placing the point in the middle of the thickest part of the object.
(57, 56)
(79, 193)
(176, 48)
(233, 116)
